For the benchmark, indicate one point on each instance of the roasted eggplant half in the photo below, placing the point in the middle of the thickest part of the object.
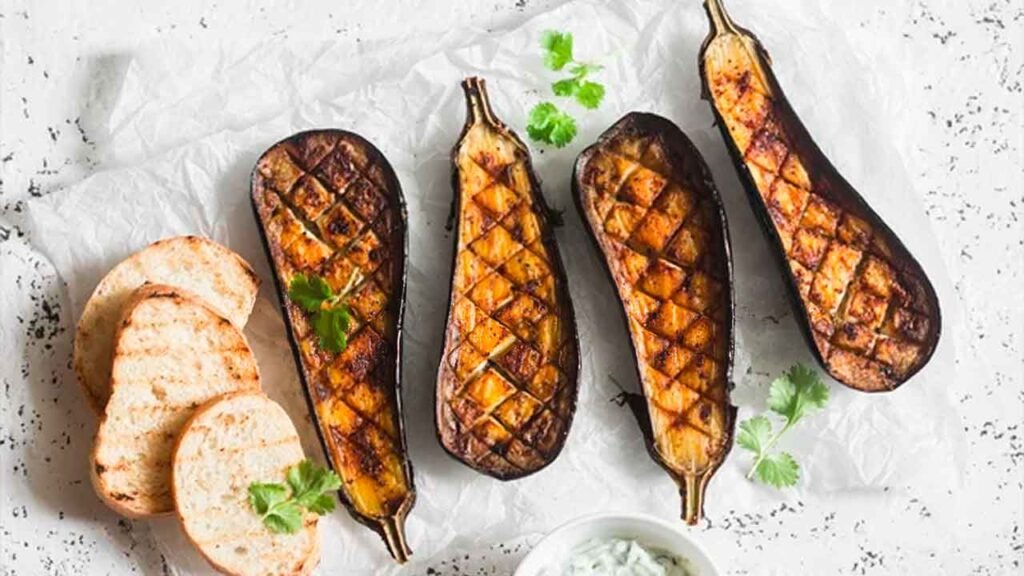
(867, 307)
(330, 207)
(651, 207)
(508, 376)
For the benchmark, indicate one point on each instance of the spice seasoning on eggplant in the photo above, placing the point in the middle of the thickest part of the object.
(869, 311)
(651, 208)
(508, 376)
(331, 212)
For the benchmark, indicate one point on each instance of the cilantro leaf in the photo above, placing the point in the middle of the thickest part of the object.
(328, 312)
(566, 87)
(796, 393)
(549, 124)
(755, 434)
(310, 487)
(793, 395)
(263, 497)
(581, 69)
(557, 49)
(330, 326)
(779, 470)
(322, 504)
(301, 476)
(546, 122)
(309, 482)
(309, 293)
(284, 519)
(590, 94)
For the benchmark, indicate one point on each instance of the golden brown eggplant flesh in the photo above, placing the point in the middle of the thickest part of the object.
(651, 207)
(867, 306)
(329, 205)
(508, 376)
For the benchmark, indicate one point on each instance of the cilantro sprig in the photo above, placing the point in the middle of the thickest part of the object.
(547, 122)
(328, 311)
(551, 125)
(280, 507)
(793, 395)
(557, 57)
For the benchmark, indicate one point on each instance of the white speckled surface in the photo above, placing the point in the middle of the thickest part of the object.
(62, 63)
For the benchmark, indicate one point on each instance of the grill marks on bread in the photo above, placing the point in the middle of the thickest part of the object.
(172, 353)
(219, 276)
(228, 444)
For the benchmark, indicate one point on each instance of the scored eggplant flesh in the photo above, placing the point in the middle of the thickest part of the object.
(647, 199)
(507, 381)
(329, 205)
(868, 308)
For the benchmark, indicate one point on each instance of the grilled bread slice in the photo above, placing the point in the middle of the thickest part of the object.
(202, 266)
(172, 353)
(229, 443)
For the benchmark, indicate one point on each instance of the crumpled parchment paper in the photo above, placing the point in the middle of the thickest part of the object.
(649, 51)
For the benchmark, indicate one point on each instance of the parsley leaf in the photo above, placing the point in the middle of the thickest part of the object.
(309, 486)
(549, 124)
(793, 395)
(557, 49)
(328, 312)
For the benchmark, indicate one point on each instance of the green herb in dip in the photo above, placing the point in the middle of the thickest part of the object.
(622, 557)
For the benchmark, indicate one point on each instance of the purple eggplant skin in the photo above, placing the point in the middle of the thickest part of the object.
(866, 306)
(307, 180)
(676, 256)
(518, 424)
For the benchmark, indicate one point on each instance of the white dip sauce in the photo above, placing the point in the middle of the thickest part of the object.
(622, 557)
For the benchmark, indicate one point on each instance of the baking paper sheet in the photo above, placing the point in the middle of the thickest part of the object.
(649, 50)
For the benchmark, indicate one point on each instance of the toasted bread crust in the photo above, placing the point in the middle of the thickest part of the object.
(130, 463)
(220, 276)
(204, 419)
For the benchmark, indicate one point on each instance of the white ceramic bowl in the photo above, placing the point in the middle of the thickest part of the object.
(557, 546)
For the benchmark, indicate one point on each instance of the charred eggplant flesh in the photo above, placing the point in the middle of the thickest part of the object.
(329, 206)
(867, 306)
(506, 386)
(647, 199)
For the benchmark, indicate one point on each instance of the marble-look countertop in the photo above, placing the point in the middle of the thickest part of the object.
(62, 62)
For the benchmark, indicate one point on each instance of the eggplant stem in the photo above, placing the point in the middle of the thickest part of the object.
(720, 20)
(478, 105)
(394, 537)
(693, 497)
